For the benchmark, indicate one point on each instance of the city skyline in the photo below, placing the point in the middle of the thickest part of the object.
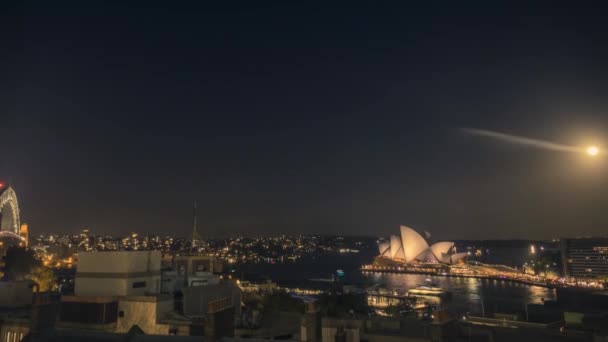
(310, 172)
(298, 119)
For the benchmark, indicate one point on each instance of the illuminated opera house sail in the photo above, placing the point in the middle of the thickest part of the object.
(412, 247)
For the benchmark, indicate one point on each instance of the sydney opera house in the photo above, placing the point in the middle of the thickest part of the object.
(412, 247)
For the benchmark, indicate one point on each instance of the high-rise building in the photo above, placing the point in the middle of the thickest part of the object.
(84, 242)
(585, 258)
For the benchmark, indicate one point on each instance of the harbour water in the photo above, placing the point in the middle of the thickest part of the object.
(469, 295)
(473, 296)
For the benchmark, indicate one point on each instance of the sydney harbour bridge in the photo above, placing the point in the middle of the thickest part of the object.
(9, 213)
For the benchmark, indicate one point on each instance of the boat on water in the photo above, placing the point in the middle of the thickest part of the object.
(429, 289)
(381, 298)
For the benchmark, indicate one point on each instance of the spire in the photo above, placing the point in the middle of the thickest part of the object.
(196, 239)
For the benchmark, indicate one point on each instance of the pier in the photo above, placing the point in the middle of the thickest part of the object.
(519, 278)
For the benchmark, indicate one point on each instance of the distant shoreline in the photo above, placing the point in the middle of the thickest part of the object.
(371, 269)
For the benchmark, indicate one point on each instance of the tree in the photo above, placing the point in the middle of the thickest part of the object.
(45, 278)
(19, 263)
(343, 305)
(547, 262)
(282, 301)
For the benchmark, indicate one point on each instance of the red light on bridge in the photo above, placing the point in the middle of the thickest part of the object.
(1, 185)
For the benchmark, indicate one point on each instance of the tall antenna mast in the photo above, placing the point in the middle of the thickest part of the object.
(195, 237)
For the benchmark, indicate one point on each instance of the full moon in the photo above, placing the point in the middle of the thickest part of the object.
(593, 150)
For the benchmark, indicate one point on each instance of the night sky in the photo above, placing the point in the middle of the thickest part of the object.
(304, 118)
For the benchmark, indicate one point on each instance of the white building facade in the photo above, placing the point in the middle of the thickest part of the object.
(134, 273)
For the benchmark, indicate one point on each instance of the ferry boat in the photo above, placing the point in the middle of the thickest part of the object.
(429, 289)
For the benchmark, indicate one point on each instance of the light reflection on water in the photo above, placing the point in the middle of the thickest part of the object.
(468, 293)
